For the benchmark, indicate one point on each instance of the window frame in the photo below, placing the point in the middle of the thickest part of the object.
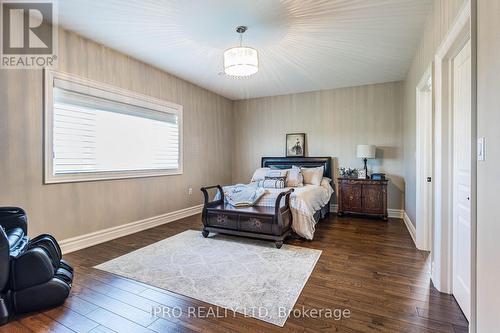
(130, 97)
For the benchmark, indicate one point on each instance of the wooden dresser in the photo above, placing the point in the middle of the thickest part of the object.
(362, 196)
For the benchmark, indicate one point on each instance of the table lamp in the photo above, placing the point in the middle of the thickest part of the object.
(365, 152)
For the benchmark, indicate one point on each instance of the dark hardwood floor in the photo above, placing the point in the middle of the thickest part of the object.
(370, 267)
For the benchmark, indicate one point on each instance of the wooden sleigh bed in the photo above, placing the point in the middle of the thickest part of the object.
(264, 222)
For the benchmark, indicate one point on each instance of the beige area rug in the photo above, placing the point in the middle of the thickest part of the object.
(247, 276)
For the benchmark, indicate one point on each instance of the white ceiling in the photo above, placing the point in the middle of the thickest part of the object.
(303, 45)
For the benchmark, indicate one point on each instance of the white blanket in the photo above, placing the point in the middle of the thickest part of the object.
(304, 202)
(242, 195)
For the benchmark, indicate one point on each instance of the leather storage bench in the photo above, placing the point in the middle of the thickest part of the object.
(33, 275)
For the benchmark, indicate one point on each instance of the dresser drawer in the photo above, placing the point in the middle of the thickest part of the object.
(257, 224)
(351, 197)
(373, 199)
(222, 220)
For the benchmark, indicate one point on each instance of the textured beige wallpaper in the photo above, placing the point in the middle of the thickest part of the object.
(223, 140)
(335, 122)
(68, 210)
(440, 19)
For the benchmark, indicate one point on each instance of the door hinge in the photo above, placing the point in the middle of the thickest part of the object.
(429, 179)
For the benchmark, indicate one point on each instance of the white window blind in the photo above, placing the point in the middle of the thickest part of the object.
(102, 134)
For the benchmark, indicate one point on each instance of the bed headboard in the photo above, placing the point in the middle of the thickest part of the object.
(306, 162)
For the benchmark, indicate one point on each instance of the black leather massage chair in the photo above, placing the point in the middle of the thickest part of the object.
(33, 276)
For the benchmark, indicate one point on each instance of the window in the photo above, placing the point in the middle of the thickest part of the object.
(95, 131)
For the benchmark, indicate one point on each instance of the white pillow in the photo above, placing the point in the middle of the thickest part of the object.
(295, 177)
(312, 176)
(325, 182)
(277, 173)
(259, 174)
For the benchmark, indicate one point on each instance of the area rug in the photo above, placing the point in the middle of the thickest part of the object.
(247, 276)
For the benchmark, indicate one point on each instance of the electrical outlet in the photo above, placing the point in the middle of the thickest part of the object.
(190, 191)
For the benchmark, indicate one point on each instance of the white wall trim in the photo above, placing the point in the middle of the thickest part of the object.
(424, 159)
(395, 213)
(442, 250)
(101, 236)
(410, 227)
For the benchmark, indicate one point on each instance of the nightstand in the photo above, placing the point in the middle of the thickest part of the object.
(363, 197)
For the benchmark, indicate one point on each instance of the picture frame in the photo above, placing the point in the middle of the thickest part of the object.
(362, 174)
(295, 145)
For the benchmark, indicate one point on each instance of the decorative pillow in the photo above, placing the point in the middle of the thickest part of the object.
(259, 174)
(273, 173)
(278, 182)
(295, 177)
(312, 176)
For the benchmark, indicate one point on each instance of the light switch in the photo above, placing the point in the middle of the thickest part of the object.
(481, 149)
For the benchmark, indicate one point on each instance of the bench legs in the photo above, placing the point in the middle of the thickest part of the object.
(278, 240)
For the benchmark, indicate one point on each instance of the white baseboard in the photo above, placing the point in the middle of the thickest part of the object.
(410, 227)
(394, 213)
(101, 236)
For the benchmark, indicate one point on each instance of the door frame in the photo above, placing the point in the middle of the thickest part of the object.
(424, 193)
(442, 251)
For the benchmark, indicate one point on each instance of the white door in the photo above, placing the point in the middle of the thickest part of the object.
(425, 133)
(462, 178)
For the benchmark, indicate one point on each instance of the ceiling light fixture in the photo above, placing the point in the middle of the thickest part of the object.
(241, 61)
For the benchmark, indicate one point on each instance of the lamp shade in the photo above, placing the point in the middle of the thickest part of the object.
(366, 151)
(241, 61)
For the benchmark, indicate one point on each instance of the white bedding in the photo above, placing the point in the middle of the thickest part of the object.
(304, 202)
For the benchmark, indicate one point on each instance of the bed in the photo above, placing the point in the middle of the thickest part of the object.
(277, 212)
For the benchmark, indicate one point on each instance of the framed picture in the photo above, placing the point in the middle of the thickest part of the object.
(296, 144)
(362, 174)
